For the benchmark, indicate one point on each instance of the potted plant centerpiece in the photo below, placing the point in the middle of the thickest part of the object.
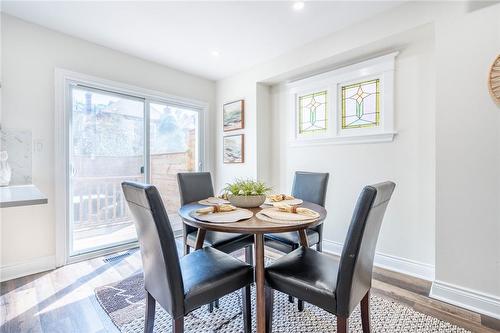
(246, 193)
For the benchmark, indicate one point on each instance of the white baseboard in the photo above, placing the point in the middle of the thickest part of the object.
(393, 263)
(466, 298)
(37, 265)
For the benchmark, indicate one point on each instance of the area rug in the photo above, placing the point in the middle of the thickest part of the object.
(124, 303)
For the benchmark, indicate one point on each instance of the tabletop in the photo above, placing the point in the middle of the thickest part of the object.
(21, 195)
(253, 225)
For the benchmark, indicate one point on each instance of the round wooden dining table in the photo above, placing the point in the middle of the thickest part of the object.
(258, 228)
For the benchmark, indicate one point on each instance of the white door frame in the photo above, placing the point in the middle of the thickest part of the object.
(63, 80)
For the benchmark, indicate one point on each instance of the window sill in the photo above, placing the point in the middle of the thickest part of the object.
(342, 140)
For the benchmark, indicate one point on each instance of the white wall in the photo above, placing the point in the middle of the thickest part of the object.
(408, 160)
(320, 55)
(241, 87)
(468, 157)
(30, 54)
(408, 232)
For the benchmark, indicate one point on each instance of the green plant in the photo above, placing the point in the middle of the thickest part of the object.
(246, 187)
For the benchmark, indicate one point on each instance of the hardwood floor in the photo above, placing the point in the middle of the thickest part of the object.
(63, 300)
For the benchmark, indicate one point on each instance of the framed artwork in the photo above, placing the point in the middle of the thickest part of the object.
(233, 115)
(234, 148)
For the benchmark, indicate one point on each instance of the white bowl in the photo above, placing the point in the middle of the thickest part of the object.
(246, 201)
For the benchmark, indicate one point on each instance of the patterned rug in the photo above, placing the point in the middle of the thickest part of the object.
(124, 303)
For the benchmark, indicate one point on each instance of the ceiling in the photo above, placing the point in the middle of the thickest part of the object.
(183, 35)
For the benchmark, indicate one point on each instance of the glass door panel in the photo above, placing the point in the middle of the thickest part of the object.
(106, 148)
(174, 147)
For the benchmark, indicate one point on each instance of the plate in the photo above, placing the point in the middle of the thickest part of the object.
(276, 214)
(212, 201)
(291, 202)
(223, 217)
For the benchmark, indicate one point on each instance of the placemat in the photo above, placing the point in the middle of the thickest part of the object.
(212, 201)
(275, 213)
(263, 217)
(223, 217)
(291, 202)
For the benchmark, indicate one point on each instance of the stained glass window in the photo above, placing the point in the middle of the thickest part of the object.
(313, 112)
(361, 104)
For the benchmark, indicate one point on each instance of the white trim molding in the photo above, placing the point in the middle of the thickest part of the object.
(390, 262)
(473, 300)
(343, 140)
(28, 267)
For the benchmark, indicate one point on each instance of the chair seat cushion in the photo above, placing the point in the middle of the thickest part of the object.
(306, 274)
(208, 274)
(223, 241)
(292, 237)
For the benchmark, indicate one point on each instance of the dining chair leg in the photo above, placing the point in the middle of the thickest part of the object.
(300, 305)
(178, 325)
(365, 313)
(211, 307)
(342, 324)
(187, 248)
(216, 303)
(249, 254)
(149, 321)
(269, 309)
(319, 246)
(291, 299)
(247, 309)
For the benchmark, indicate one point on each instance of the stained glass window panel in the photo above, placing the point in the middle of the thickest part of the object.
(313, 112)
(361, 104)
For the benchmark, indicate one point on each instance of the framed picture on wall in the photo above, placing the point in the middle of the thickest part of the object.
(233, 115)
(234, 148)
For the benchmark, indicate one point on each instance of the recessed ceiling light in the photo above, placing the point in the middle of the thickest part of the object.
(215, 53)
(298, 5)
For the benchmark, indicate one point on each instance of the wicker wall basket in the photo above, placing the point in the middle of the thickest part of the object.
(494, 80)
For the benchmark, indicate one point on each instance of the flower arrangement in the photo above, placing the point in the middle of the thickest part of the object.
(246, 193)
(246, 187)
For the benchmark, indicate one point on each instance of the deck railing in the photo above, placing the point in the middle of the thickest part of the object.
(99, 201)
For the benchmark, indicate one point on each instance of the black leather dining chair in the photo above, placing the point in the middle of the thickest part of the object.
(195, 186)
(333, 285)
(308, 186)
(180, 285)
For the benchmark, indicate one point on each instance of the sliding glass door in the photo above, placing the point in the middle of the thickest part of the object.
(174, 148)
(116, 137)
(107, 148)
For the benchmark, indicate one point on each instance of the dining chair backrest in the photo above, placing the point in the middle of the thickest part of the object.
(160, 261)
(356, 262)
(194, 186)
(310, 186)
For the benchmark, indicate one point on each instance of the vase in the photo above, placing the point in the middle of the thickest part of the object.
(246, 201)
(5, 171)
